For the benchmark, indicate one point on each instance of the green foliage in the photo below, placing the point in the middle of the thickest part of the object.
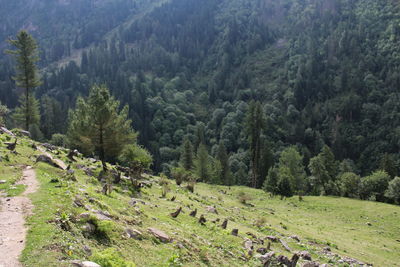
(110, 257)
(291, 159)
(374, 186)
(284, 188)
(187, 154)
(132, 154)
(324, 168)
(223, 158)
(271, 182)
(393, 190)
(202, 164)
(58, 140)
(349, 184)
(3, 113)
(26, 56)
(243, 197)
(97, 126)
(180, 175)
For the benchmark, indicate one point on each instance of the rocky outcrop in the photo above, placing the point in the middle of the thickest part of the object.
(160, 235)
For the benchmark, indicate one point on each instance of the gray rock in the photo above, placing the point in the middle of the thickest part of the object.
(160, 235)
(24, 133)
(133, 233)
(305, 255)
(272, 238)
(235, 232)
(311, 264)
(211, 209)
(248, 245)
(6, 131)
(89, 228)
(3, 181)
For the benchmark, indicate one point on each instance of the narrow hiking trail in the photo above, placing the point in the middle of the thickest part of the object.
(13, 211)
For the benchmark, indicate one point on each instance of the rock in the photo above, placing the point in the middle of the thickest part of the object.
(160, 235)
(3, 181)
(235, 232)
(272, 238)
(11, 146)
(311, 264)
(47, 158)
(133, 233)
(284, 260)
(262, 250)
(84, 216)
(224, 224)
(368, 223)
(266, 258)
(305, 255)
(326, 249)
(173, 198)
(24, 133)
(102, 215)
(89, 228)
(176, 213)
(85, 264)
(49, 146)
(211, 209)
(87, 250)
(285, 245)
(6, 131)
(248, 245)
(295, 237)
(193, 213)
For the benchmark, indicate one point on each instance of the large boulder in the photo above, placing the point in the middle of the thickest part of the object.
(160, 235)
(133, 233)
(6, 131)
(47, 158)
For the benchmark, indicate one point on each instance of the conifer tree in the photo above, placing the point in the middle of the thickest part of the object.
(96, 125)
(222, 156)
(187, 154)
(3, 112)
(202, 163)
(26, 55)
(254, 127)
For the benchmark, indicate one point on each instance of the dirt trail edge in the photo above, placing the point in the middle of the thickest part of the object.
(13, 211)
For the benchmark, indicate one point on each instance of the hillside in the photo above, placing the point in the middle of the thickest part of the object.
(73, 220)
(325, 72)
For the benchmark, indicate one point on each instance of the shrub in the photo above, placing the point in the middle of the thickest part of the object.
(133, 154)
(373, 187)
(58, 140)
(180, 175)
(349, 184)
(393, 191)
(111, 258)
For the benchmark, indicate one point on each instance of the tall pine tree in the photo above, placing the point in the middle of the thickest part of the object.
(26, 56)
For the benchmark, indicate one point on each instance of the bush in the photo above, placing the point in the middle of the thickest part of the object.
(180, 175)
(132, 154)
(373, 187)
(111, 258)
(243, 197)
(58, 140)
(393, 191)
(349, 184)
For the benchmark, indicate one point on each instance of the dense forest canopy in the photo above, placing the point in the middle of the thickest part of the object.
(322, 73)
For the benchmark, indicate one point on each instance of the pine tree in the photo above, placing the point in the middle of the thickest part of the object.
(271, 181)
(26, 55)
(202, 164)
(96, 126)
(284, 188)
(187, 154)
(222, 156)
(254, 127)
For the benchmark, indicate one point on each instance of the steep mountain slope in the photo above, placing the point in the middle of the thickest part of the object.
(326, 72)
(74, 220)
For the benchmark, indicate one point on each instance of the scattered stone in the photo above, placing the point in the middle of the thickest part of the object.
(284, 260)
(305, 255)
(252, 235)
(248, 245)
(11, 146)
(72, 154)
(133, 233)
(211, 209)
(3, 181)
(160, 235)
(266, 258)
(224, 224)
(235, 232)
(6, 131)
(85, 264)
(87, 250)
(272, 238)
(84, 216)
(369, 224)
(176, 213)
(295, 237)
(102, 215)
(326, 249)
(173, 198)
(49, 146)
(193, 213)
(285, 245)
(89, 228)
(202, 220)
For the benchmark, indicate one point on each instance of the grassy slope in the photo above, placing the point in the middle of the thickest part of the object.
(318, 221)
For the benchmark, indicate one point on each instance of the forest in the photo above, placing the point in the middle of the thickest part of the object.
(292, 96)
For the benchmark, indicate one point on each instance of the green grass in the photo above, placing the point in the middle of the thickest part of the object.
(340, 223)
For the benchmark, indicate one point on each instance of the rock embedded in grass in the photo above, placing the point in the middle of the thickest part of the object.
(160, 235)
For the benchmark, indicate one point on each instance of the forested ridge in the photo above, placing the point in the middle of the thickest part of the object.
(237, 81)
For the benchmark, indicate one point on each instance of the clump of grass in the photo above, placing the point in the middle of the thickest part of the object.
(244, 198)
(111, 258)
(260, 222)
(164, 182)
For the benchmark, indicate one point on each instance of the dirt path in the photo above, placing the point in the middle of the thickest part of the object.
(13, 211)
